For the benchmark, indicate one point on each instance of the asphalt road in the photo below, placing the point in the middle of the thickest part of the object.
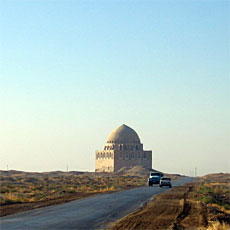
(89, 213)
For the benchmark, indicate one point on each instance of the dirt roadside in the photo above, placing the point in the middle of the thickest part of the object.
(22, 191)
(15, 208)
(21, 207)
(178, 208)
(160, 213)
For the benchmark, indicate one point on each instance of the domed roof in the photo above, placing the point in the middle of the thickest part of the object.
(123, 134)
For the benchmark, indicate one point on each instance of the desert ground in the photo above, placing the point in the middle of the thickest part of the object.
(96, 212)
(21, 191)
(202, 204)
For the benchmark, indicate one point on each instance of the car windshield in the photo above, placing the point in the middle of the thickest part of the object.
(155, 174)
(165, 179)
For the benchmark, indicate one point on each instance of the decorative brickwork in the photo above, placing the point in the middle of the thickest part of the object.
(123, 149)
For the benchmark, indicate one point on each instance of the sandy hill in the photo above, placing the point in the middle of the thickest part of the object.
(220, 177)
(134, 171)
(137, 171)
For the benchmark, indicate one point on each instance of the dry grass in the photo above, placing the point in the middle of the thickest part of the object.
(214, 191)
(202, 204)
(20, 191)
(23, 187)
(216, 225)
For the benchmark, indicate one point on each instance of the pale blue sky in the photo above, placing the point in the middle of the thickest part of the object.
(72, 71)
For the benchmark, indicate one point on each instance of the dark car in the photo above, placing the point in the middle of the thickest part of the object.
(154, 178)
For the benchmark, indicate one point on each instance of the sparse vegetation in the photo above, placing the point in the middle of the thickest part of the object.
(23, 191)
(31, 190)
(202, 204)
(214, 192)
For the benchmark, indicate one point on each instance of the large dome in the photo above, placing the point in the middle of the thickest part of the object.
(123, 134)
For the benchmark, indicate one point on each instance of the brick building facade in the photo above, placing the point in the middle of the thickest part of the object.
(123, 149)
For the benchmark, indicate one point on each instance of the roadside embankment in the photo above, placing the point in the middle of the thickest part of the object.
(202, 204)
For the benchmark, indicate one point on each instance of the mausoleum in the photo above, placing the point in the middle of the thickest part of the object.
(122, 149)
